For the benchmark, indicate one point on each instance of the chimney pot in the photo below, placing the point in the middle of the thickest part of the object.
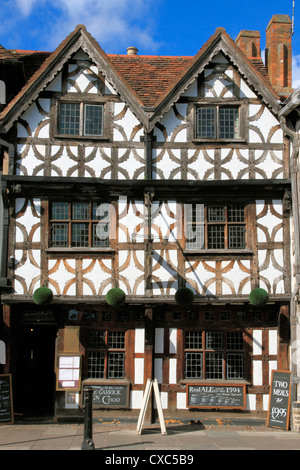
(132, 50)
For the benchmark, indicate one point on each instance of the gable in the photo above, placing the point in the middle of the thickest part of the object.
(148, 85)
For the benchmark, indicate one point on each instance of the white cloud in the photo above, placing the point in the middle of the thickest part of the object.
(113, 23)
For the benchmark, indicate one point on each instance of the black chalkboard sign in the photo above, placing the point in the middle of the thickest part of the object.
(6, 406)
(231, 396)
(108, 395)
(279, 400)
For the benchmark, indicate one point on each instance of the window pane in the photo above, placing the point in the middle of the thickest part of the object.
(206, 123)
(216, 214)
(214, 340)
(59, 234)
(80, 235)
(235, 366)
(60, 210)
(116, 363)
(193, 365)
(69, 118)
(229, 123)
(235, 340)
(213, 365)
(236, 235)
(96, 362)
(193, 340)
(236, 213)
(80, 211)
(97, 339)
(195, 233)
(216, 236)
(117, 339)
(93, 120)
(100, 234)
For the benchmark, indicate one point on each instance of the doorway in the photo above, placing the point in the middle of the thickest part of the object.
(35, 378)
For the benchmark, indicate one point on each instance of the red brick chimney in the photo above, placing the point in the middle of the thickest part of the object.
(249, 43)
(279, 53)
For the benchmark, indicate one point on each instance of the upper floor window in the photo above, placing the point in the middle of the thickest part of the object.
(81, 119)
(219, 122)
(79, 224)
(215, 226)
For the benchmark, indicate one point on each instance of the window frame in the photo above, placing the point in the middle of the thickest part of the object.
(70, 222)
(83, 102)
(223, 351)
(107, 350)
(209, 224)
(217, 105)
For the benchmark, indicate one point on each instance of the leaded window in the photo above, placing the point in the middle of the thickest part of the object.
(79, 224)
(218, 122)
(80, 119)
(215, 226)
(106, 354)
(214, 355)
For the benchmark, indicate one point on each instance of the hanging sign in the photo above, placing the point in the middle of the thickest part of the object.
(279, 400)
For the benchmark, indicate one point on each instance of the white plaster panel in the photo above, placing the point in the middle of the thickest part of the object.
(98, 274)
(163, 400)
(272, 366)
(136, 399)
(28, 270)
(158, 369)
(173, 341)
(257, 372)
(235, 276)
(250, 401)
(138, 370)
(63, 272)
(172, 370)
(181, 401)
(257, 342)
(159, 340)
(139, 342)
(273, 342)
(55, 85)
(265, 402)
(128, 123)
(131, 272)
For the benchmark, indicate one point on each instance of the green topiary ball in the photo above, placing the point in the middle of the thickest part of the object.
(258, 297)
(115, 297)
(184, 296)
(43, 296)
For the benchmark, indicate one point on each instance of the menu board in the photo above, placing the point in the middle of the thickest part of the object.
(6, 406)
(68, 373)
(279, 400)
(216, 396)
(109, 395)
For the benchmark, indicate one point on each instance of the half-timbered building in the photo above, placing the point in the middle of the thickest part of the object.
(148, 174)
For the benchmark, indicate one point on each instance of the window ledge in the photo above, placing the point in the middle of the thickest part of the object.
(82, 137)
(215, 381)
(220, 252)
(219, 141)
(80, 250)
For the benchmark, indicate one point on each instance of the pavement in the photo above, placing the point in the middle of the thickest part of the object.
(150, 443)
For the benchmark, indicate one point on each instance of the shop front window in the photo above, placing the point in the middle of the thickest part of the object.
(214, 355)
(106, 354)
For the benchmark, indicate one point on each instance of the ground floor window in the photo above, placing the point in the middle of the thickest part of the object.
(214, 355)
(106, 354)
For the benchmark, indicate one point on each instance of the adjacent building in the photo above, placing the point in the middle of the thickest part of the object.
(149, 174)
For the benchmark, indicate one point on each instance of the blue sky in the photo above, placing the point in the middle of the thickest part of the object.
(162, 27)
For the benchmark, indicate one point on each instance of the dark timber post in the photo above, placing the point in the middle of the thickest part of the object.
(88, 443)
